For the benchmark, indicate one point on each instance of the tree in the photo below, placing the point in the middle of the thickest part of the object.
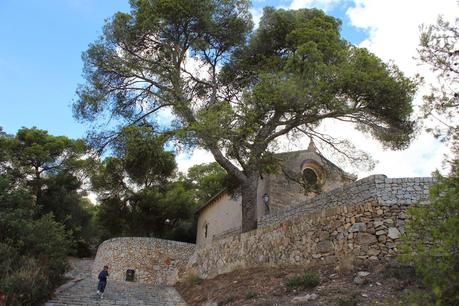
(50, 168)
(252, 87)
(439, 50)
(431, 239)
(136, 189)
(33, 155)
(207, 180)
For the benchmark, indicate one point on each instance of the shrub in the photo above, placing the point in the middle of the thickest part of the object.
(32, 251)
(431, 242)
(33, 263)
(193, 278)
(250, 295)
(307, 280)
(399, 271)
(415, 297)
(348, 301)
(27, 285)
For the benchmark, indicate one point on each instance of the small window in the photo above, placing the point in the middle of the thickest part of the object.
(310, 176)
(206, 227)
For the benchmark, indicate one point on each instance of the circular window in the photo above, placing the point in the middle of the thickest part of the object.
(310, 176)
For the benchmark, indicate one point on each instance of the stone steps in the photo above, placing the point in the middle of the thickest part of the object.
(82, 291)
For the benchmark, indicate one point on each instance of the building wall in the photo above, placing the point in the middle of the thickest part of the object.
(224, 217)
(155, 261)
(221, 217)
(285, 192)
(362, 220)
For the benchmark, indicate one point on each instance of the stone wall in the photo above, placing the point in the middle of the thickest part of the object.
(377, 188)
(362, 221)
(155, 261)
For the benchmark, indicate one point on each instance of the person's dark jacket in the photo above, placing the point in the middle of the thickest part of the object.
(103, 276)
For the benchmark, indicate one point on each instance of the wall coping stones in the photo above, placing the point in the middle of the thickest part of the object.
(378, 187)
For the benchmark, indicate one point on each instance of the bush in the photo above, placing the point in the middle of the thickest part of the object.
(27, 285)
(193, 278)
(307, 280)
(81, 249)
(32, 251)
(348, 301)
(431, 242)
(33, 264)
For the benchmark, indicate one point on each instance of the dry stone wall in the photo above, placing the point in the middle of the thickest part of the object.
(155, 261)
(375, 188)
(362, 221)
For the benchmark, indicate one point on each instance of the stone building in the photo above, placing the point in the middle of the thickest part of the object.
(303, 175)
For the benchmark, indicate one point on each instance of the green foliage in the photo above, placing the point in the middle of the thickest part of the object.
(348, 301)
(309, 279)
(403, 272)
(209, 179)
(136, 191)
(33, 250)
(145, 160)
(32, 152)
(432, 239)
(51, 169)
(415, 297)
(254, 86)
(194, 279)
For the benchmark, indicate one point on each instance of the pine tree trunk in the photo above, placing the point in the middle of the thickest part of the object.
(249, 204)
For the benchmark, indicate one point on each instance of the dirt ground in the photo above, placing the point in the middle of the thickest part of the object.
(386, 284)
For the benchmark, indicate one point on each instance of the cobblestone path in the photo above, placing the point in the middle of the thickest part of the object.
(81, 290)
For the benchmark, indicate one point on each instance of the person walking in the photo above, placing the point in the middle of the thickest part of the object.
(102, 282)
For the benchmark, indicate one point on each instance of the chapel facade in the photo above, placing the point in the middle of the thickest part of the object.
(303, 174)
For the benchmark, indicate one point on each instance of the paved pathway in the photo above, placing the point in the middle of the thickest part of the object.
(82, 291)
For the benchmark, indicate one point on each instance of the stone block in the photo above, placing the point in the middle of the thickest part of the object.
(393, 233)
(324, 235)
(373, 252)
(358, 227)
(366, 239)
(325, 246)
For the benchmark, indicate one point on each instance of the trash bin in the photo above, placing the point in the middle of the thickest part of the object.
(130, 275)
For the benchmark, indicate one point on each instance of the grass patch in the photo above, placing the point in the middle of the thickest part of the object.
(399, 271)
(193, 279)
(308, 279)
(417, 296)
(250, 295)
(348, 301)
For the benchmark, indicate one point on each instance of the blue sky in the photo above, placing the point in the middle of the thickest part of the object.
(40, 57)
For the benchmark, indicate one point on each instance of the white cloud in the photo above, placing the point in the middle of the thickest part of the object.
(321, 4)
(422, 157)
(393, 26)
(199, 156)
